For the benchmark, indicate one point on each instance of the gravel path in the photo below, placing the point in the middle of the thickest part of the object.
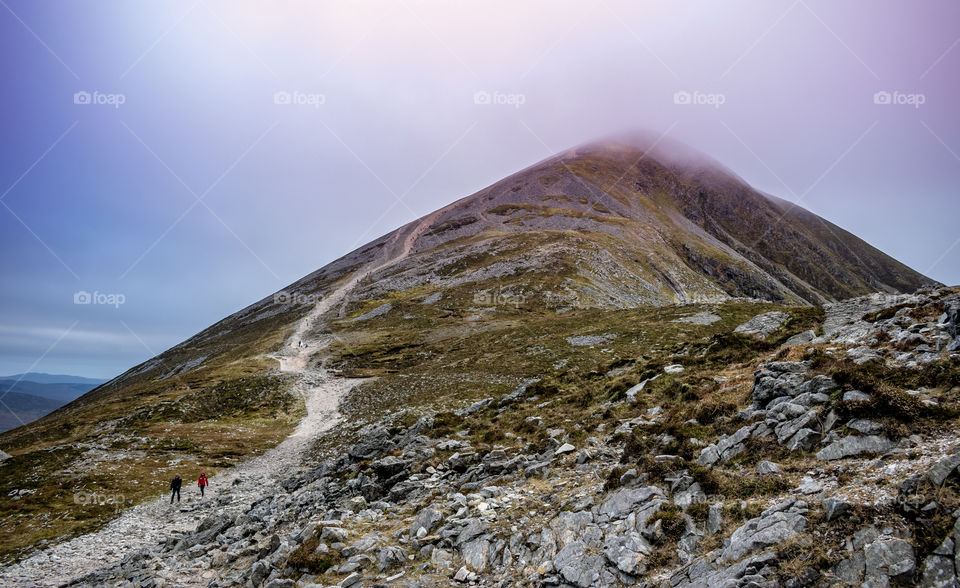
(232, 491)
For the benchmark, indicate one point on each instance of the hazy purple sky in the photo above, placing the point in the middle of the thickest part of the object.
(186, 189)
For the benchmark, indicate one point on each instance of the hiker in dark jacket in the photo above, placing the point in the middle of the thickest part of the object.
(175, 488)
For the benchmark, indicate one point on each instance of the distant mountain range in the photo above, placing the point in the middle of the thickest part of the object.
(27, 397)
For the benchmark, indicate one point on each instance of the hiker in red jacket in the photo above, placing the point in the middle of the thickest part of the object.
(202, 482)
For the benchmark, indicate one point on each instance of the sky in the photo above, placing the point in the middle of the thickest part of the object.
(163, 165)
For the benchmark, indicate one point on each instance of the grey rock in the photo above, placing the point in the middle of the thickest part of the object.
(865, 426)
(731, 445)
(809, 486)
(887, 558)
(425, 520)
(569, 526)
(626, 500)
(280, 583)
(776, 379)
(773, 526)
(942, 470)
(577, 567)
(476, 554)
(856, 396)
(853, 445)
(835, 507)
(767, 467)
(473, 529)
(390, 557)
(374, 441)
(389, 466)
(763, 325)
(865, 536)
(715, 518)
(850, 570)
(628, 552)
(939, 569)
(861, 354)
(461, 461)
(351, 580)
(801, 338)
(701, 318)
(788, 429)
(565, 448)
(333, 534)
(475, 407)
(802, 440)
(259, 572)
(818, 385)
(702, 574)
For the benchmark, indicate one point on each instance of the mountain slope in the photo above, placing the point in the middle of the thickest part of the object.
(559, 247)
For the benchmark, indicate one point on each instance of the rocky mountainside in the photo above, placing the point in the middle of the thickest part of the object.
(769, 454)
(568, 378)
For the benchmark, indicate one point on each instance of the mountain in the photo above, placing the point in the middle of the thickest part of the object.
(27, 397)
(582, 318)
(19, 409)
(60, 391)
(42, 378)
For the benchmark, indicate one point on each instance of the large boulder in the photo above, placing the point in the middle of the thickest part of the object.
(942, 470)
(577, 567)
(763, 325)
(374, 441)
(773, 526)
(628, 552)
(854, 445)
(626, 500)
(731, 445)
(424, 522)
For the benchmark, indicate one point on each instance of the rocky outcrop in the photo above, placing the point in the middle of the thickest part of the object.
(763, 325)
(774, 526)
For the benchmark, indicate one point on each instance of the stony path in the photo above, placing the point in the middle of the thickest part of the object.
(231, 492)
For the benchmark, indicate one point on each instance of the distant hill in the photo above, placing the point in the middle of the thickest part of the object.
(42, 378)
(27, 397)
(18, 409)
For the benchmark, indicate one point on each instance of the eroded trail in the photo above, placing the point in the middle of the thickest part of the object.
(231, 492)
